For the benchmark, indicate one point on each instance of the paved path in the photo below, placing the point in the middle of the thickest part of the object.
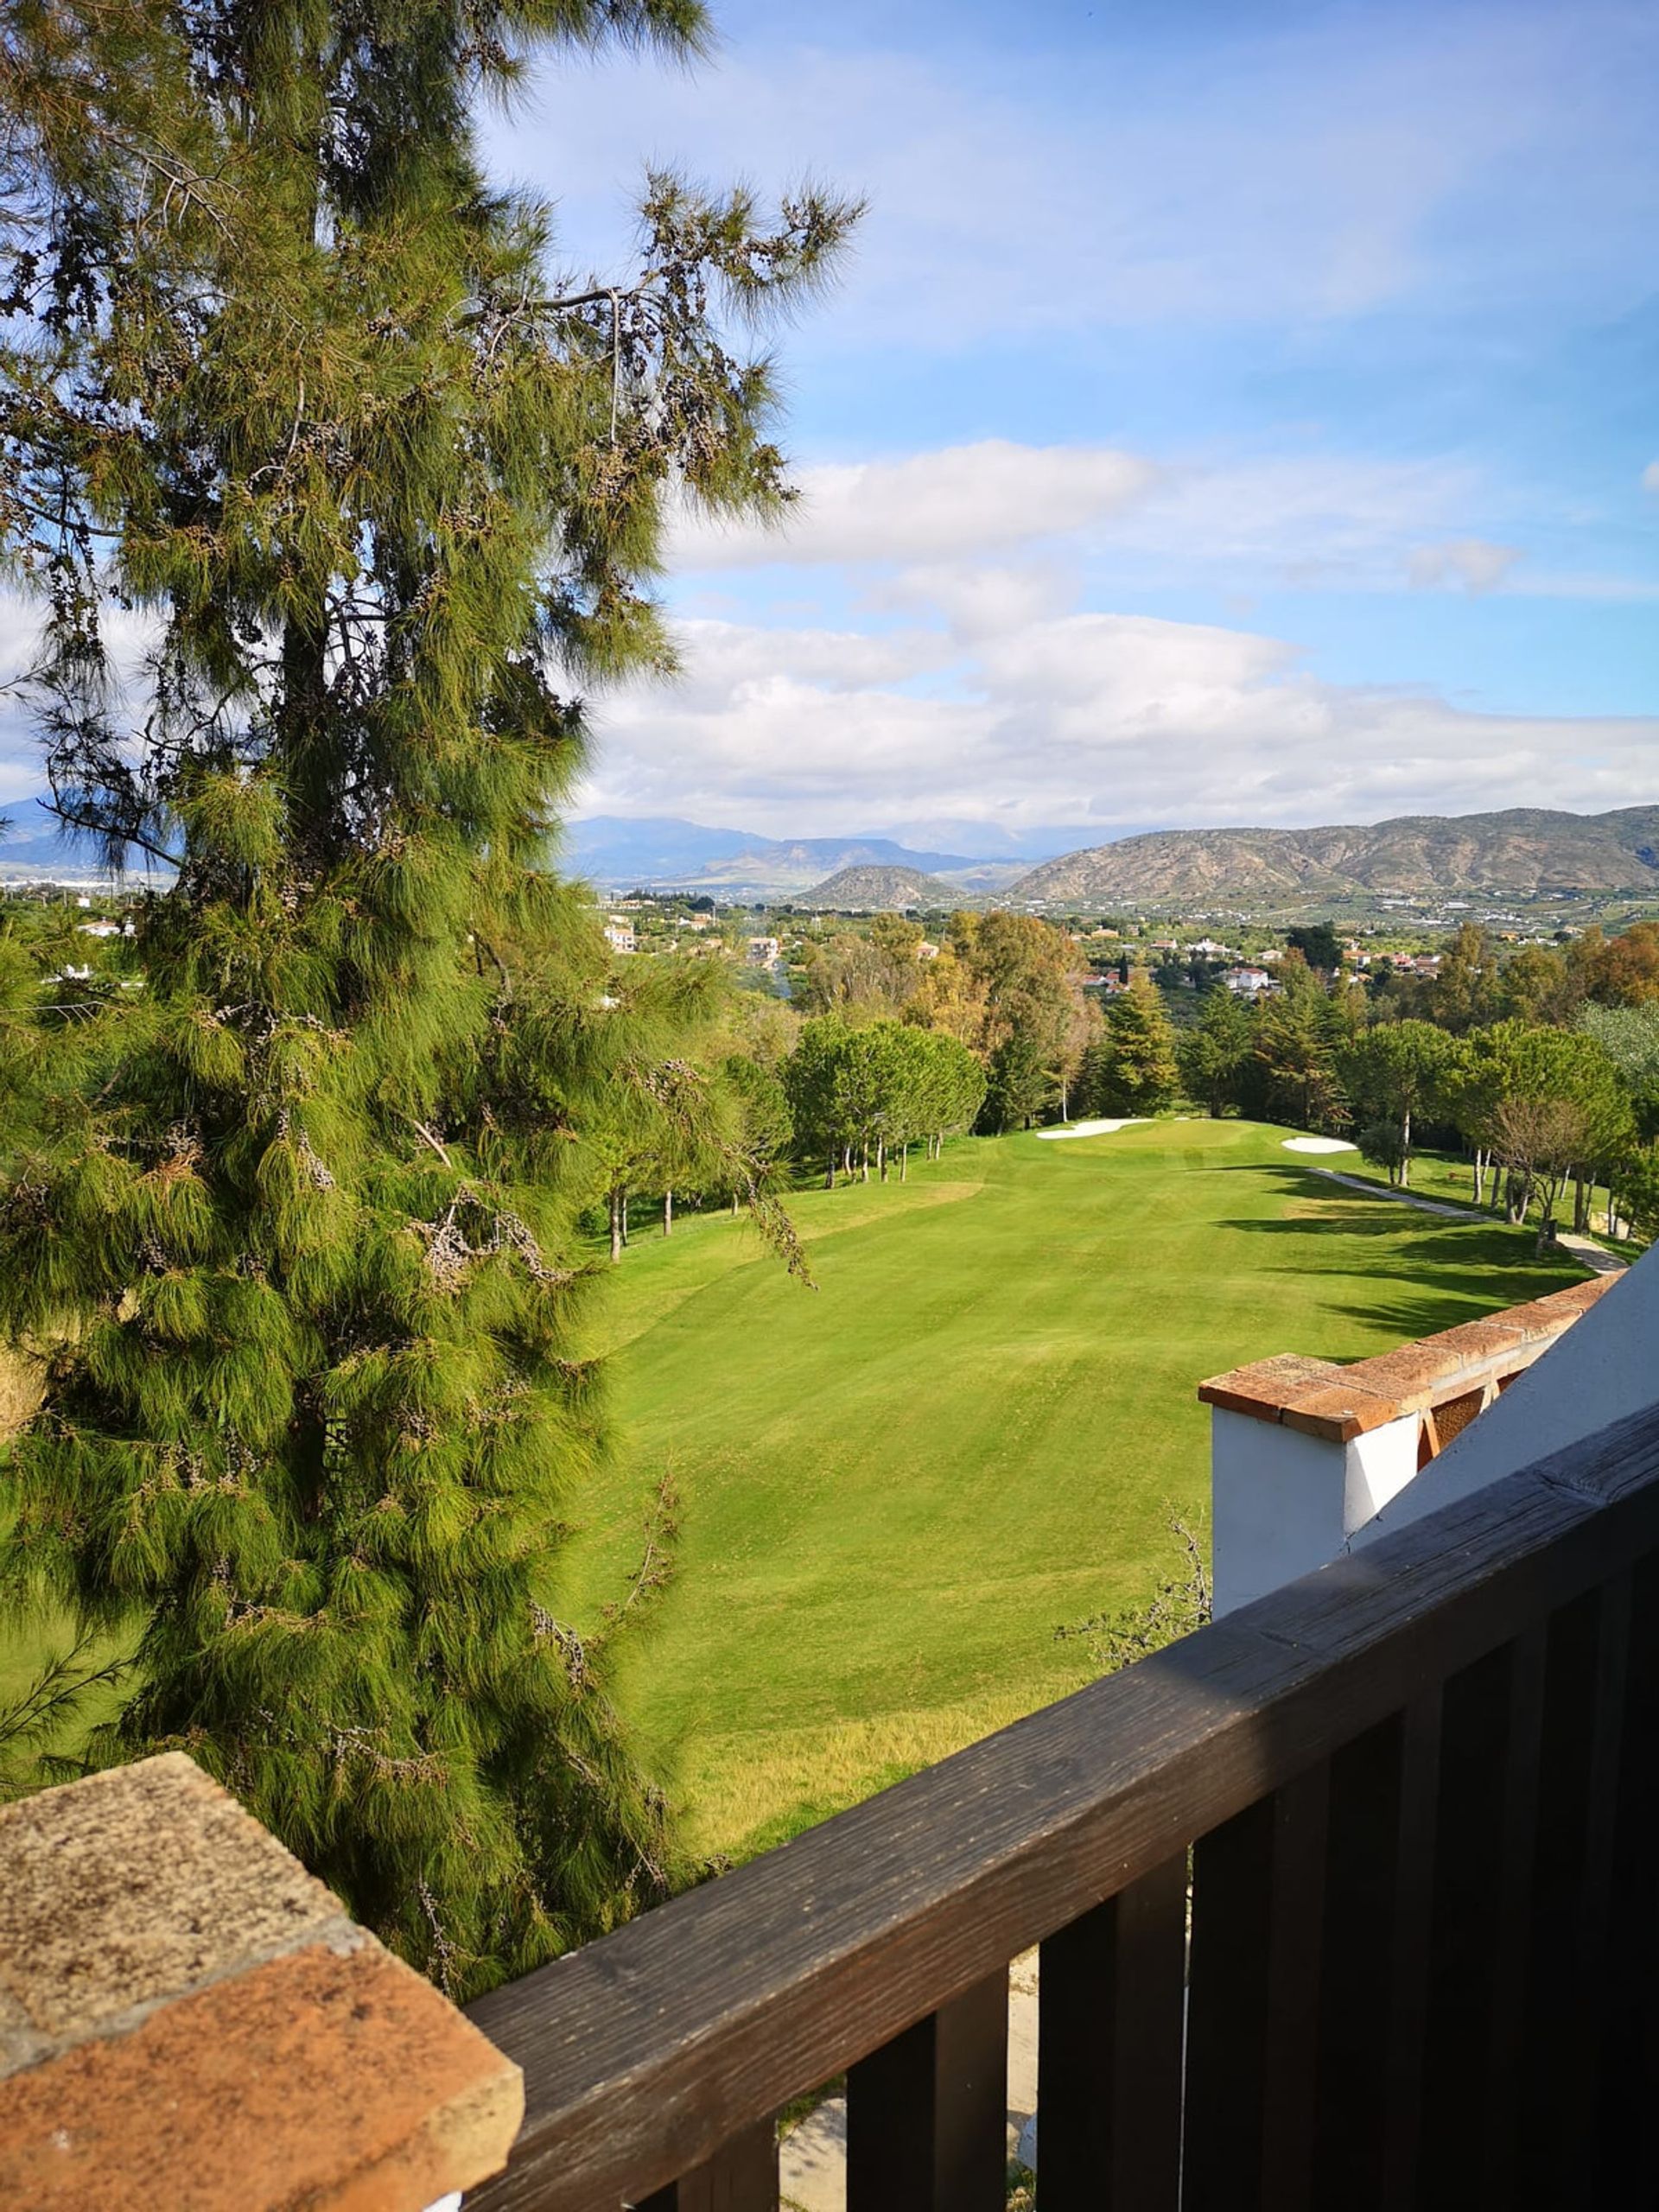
(1406, 1197)
(1584, 1250)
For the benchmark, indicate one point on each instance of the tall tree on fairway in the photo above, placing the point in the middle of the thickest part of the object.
(1214, 1052)
(1391, 1071)
(1133, 1070)
(282, 376)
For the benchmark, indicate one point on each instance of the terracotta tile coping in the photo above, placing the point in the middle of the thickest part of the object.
(188, 2019)
(1323, 1398)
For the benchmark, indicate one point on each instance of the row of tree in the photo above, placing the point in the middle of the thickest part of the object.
(1536, 1107)
(863, 1095)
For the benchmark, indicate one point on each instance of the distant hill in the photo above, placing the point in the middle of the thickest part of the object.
(868, 890)
(666, 854)
(1522, 849)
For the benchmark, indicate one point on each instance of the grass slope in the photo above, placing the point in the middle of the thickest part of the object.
(894, 1488)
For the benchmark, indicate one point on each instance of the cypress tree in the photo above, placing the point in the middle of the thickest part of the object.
(283, 381)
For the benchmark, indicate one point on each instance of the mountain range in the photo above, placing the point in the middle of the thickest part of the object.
(665, 852)
(1520, 850)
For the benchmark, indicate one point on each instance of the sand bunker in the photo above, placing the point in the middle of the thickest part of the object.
(1318, 1144)
(1093, 1128)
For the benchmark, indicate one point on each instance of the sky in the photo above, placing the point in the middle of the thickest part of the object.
(1230, 411)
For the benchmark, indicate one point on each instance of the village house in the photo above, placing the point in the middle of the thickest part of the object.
(1248, 982)
(618, 934)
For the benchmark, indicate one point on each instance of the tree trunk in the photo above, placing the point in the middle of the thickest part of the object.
(616, 1225)
(829, 1174)
(864, 1162)
(1581, 1202)
(733, 1205)
(622, 1203)
(880, 1159)
(668, 1213)
(1405, 1149)
(904, 1164)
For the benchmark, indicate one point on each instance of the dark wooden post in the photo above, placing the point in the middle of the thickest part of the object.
(927, 2113)
(1111, 2019)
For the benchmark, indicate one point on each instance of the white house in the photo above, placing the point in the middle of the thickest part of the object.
(618, 934)
(1248, 982)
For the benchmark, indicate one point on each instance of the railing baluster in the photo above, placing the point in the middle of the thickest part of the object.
(1401, 2086)
(1629, 2019)
(1469, 1870)
(1362, 1856)
(1226, 2022)
(1253, 2019)
(927, 2113)
(1515, 1871)
(1295, 1957)
(1110, 2026)
(742, 2177)
(1567, 1757)
(1587, 2023)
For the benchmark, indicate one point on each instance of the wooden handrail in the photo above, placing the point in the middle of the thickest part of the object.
(647, 2052)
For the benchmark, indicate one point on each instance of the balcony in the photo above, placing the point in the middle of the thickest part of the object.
(1347, 1900)
(1350, 1899)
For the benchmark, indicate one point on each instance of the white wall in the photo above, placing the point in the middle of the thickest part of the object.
(1283, 1503)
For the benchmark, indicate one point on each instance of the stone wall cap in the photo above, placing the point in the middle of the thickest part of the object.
(188, 2019)
(1336, 1403)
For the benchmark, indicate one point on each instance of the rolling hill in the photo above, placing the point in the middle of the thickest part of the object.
(1522, 849)
(865, 890)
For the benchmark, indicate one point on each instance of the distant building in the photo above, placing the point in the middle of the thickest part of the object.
(764, 951)
(1208, 949)
(926, 951)
(1248, 982)
(97, 929)
(618, 934)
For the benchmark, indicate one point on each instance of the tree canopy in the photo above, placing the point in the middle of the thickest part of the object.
(288, 383)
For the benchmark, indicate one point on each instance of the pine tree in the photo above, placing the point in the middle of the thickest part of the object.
(1214, 1053)
(1137, 1072)
(282, 376)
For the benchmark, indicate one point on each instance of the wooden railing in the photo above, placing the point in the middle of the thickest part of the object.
(1412, 1805)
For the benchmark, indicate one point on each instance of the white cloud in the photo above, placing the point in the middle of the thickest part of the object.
(1476, 563)
(1086, 717)
(932, 506)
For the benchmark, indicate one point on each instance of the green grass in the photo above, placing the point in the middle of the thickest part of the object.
(1448, 1176)
(895, 1487)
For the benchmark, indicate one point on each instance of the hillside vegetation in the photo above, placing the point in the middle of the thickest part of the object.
(1522, 849)
(869, 890)
(891, 1491)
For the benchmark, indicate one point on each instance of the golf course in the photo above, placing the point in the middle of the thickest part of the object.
(892, 1488)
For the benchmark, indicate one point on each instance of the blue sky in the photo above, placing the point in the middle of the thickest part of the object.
(1228, 413)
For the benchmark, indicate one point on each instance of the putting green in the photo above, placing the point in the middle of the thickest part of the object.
(894, 1488)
